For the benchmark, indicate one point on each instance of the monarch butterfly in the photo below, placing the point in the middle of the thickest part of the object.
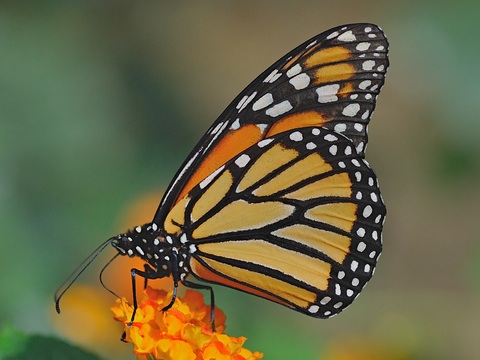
(276, 199)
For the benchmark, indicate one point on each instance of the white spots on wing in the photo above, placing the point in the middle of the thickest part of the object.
(358, 177)
(361, 246)
(263, 102)
(204, 183)
(327, 93)
(313, 309)
(363, 46)
(332, 35)
(245, 101)
(368, 29)
(274, 75)
(348, 150)
(311, 146)
(380, 48)
(340, 128)
(338, 290)
(264, 143)
(296, 136)
(333, 150)
(368, 65)
(374, 197)
(235, 125)
(354, 96)
(300, 81)
(351, 110)
(365, 84)
(311, 44)
(358, 127)
(360, 147)
(242, 160)
(279, 109)
(372, 36)
(367, 211)
(325, 300)
(294, 70)
(361, 232)
(262, 127)
(381, 68)
(365, 115)
(330, 137)
(315, 131)
(217, 128)
(347, 36)
(354, 265)
(356, 163)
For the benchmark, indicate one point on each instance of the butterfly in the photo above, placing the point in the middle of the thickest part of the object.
(277, 199)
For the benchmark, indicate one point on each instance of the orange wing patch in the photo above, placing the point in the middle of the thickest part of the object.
(330, 55)
(334, 73)
(232, 144)
(297, 120)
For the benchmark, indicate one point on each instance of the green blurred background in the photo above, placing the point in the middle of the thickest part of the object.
(100, 102)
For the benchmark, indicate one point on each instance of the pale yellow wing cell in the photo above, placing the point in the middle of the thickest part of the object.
(340, 215)
(242, 215)
(333, 245)
(307, 269)
(269, 161)
(303, 169)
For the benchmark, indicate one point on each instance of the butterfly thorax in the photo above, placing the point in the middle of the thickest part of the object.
(164, 253)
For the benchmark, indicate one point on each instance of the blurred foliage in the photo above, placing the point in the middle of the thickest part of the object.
(15, 345)
(100, 102)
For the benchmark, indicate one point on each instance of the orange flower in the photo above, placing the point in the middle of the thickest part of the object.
(182, 333)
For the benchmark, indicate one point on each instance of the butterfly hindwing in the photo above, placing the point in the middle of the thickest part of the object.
(295, 218)
(331, 80)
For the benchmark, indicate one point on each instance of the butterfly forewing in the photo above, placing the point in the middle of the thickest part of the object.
(331, 80)
(295, 218)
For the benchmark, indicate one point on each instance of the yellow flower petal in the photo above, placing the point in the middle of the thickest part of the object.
(182, 333)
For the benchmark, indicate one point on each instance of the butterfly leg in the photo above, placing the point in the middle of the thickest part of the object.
(176, 279)
(212, 298)
(148, 273)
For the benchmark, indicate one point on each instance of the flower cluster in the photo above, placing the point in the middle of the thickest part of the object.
(183, 332)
